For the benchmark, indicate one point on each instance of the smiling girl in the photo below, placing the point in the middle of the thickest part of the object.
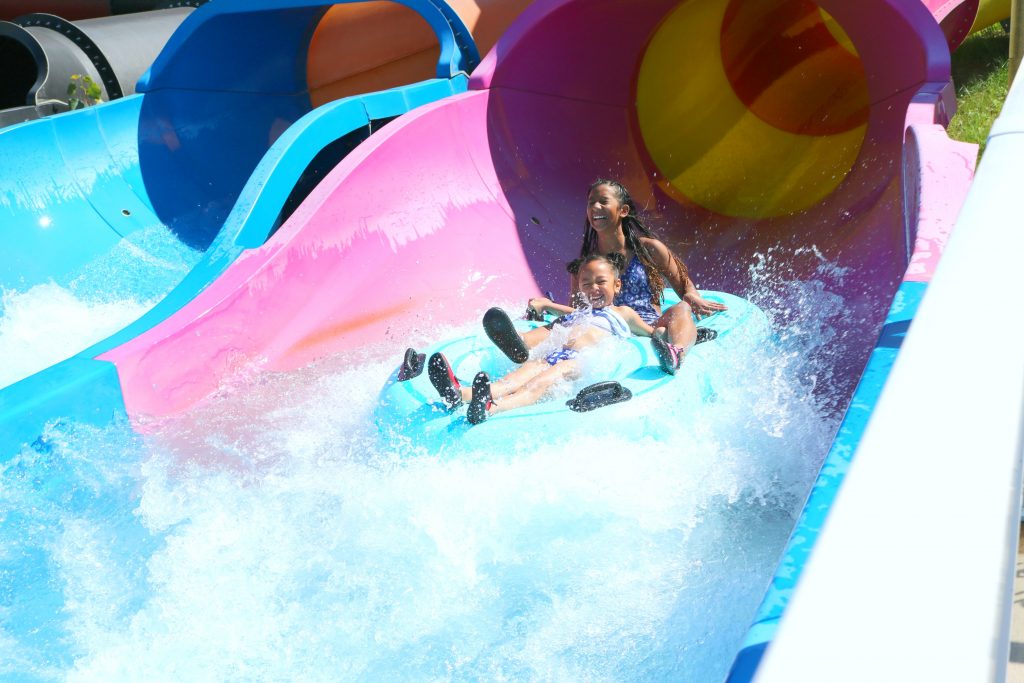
(613, 226)
(598, 283)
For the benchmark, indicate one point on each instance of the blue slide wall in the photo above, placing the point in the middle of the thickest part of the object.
(221, 144)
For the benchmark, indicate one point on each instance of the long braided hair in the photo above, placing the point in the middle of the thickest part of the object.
(633, 228)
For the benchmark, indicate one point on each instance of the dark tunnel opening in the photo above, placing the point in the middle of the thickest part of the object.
(20, 73)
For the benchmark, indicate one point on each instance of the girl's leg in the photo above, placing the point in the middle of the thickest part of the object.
(514, 380)
(676, 327)
(510, 382)
(680, 329)
(453, 394)
(514, 344)
(535, 337)
(534, 389)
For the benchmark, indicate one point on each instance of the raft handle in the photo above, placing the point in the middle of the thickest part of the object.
(599, 395)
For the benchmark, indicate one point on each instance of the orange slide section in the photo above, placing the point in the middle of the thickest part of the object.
(369, 46)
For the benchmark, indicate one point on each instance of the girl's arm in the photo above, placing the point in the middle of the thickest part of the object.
(636, 324)
(675, 271)
(544, 305)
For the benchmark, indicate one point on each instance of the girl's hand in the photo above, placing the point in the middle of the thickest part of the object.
(702, 307)
(539, 304)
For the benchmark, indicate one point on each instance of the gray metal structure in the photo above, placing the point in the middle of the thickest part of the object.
(39, 53)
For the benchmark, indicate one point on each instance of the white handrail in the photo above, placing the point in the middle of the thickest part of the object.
(912, 576)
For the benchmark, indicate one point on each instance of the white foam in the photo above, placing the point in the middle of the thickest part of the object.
(269, 535)
(48, 323)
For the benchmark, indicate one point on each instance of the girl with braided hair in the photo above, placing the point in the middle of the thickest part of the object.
(613, 226)
(599, 281)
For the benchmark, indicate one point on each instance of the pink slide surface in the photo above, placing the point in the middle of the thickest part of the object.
(479, 198)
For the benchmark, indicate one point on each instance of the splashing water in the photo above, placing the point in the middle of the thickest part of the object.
(49, 322)
(270, 535)
(814, 323)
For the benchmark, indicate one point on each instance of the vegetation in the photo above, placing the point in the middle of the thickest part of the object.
(83, 92)
(980, 74)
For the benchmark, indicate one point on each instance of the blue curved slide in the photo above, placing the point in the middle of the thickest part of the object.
(207, 160)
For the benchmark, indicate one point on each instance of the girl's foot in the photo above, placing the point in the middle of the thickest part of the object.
(412, 365)
(502, 332)
(670, 357)
(444, 380)
(481, 401)
(706, 334)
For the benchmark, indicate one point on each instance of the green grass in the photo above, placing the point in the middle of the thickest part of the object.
(980, 73)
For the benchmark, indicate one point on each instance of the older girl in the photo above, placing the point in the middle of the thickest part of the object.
(613, 226)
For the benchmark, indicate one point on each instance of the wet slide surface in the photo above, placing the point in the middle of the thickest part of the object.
(959, 18)
(253, 399)
(506, 158)
(111, 207)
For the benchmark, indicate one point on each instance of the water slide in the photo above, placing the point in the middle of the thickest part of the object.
(846, 127)
(960, 18)
(346, 58)
(42, 52)
(118, 229)
(798, 132)
(923, 558)
(85, 9)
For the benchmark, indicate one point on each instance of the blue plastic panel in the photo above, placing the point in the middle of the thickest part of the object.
(65, 389)
(79, 389)
(205, 53)
(58, 178)
(198, 149)
(227, 85)
(826, 487)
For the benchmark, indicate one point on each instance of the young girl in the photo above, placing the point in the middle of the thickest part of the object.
(612, 226)
(599, 282)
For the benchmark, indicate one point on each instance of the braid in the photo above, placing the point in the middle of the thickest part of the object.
(589, 245)
(633, 228)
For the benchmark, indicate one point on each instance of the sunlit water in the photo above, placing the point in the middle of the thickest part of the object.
(270, 535)
(46, 323)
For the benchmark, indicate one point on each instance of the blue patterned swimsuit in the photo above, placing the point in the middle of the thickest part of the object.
(636, 292)
(601, 318)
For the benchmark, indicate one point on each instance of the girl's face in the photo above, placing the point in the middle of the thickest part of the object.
(599, 283)
(604, 210)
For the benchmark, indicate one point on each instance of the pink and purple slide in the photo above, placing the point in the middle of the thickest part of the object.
(794, 152)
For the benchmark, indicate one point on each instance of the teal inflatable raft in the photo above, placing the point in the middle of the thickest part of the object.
(410, 411)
